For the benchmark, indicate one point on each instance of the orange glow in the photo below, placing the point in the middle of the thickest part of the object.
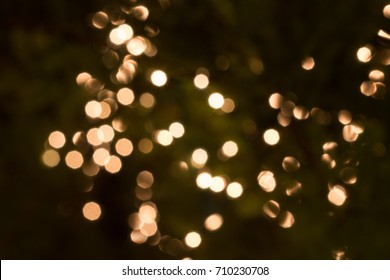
(328, 161)
(140, 12)
(275, 100)
(83, 78)
(145, 179)
(106, 110)
(125, 96)
(138, 237)
(74, 159)
(300, 113)
(376, 75)
(93, 109)
(271, 209)
(345, 117)
(118, 125)
(271, 136)
(57, 139)
(351, 132)
(113, 165)
(266, 181)
(101, 156)
(234, 190)
(92, 211)
(106, 133)
(308, 63)
(121, 34)
(213, 222)
(147, 100)
(136, 46)
(386, 11)
(51, 158)
(93, 137)
(329, 146)
(124, 147)
(228, 105)
(337, 195)
(193, 239)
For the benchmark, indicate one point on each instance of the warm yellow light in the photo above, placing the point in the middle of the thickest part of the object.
(348, 175)
(101, 156)
(92, 211)
(329, 146)
(218, 184)
(368, 88)
(147, 100)
(138, 237)
(57, 139)
(158, 78)
(229, 149)
(271, 136)
(176, 129)
(93, 109)
(193, 239)
(328, 161)
(125, 96)
(140, 12)
(275, 100)
(201, 81)
(213, 222)
(266, 181)
(83, 78)
(106, 133)
(147, 212)
(145, 146)
(136, 46)
(364, 54)
(290, 164)
(93, 137)
(164, 137)
(121, 34)
(271, 209)
(51, 158)
(216, 100)
(351, 132)
(228, 105)
(376, 75)
(100, 20)
(145, 179)
(118, 125)
(199, 158)
(113, 164)
(149, 228)
(124, 147)
(344, 117)
(74, 159)
(337, 195)
(386, 11)
(293, 188)
(308, 63)
(106, 110)
(300, 113)
(234, 190)
(204, 180)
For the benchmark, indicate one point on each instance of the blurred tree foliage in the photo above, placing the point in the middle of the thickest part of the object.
(251, 49)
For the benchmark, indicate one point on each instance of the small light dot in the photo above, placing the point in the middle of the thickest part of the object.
(337, 195)
(204, 180)
(51, 158)
(308, 63)
(229, 149)
(57, 139)
(213, 222)
(124, 147)
(176, 129)
(193, 239)
(164, 137)
(74, 159)
(92, 211)
(125, 96)
(234, 190)
(199, 158)
(266, 181)
(201, 81)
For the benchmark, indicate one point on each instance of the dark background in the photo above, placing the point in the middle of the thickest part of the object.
(45, 44)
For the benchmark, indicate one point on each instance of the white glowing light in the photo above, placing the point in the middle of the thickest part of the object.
(193, 239)
(271, 136)
(164, 137)
(159, 78)
(234, 190)
(176, 129)
(201, 81)
(216, 100)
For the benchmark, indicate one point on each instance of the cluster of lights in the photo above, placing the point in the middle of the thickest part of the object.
(217, 184)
